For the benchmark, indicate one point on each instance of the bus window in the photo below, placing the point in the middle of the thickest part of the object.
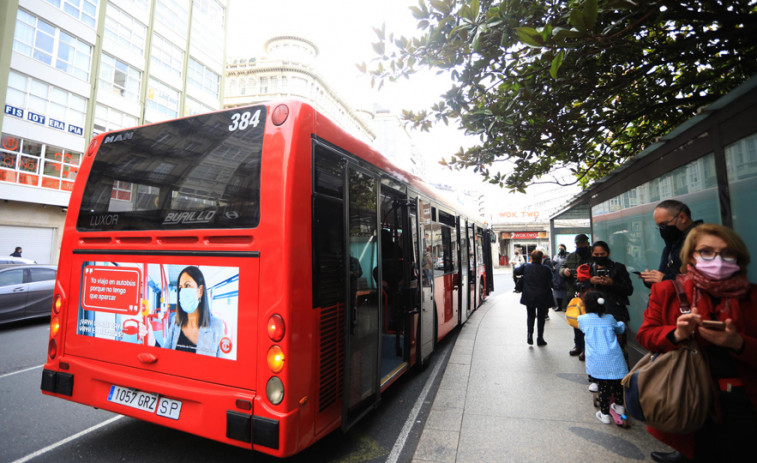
(183, 174)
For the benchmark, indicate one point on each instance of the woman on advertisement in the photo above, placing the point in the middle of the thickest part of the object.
(194, 329)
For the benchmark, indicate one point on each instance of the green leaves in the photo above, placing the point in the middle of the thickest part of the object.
(530, 36)
(576, 85)
(556, 63)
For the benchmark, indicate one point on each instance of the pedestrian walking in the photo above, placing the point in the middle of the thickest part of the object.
(604, 357)
(517, 262)
(17, 252)
(536, 296)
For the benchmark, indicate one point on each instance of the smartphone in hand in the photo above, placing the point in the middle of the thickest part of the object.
(713, 325)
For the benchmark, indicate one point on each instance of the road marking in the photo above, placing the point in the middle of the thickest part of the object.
(21, 371)
(399, 444)
(67, 440)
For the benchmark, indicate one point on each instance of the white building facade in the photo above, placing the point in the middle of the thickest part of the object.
(288, 70)
(74, 69)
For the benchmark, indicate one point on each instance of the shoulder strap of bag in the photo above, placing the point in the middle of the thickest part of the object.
(683, 301)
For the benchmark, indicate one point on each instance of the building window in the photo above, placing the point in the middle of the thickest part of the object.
(47, 44)
(166, 56)
(201, 80)
(162, 102)
(192, 108)
(83, 10)
(207, 30)
(263, 85)
(46, 104)
(108, 119)
(174, 14)
(119, 78)
(31, 163)
(125, 31)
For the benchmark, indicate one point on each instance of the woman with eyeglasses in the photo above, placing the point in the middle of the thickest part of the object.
(723, 319)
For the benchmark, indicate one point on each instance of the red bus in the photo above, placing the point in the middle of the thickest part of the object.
(255, 276)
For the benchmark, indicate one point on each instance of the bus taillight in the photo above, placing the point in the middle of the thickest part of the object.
(54, 327)
(280, 114)
(275, 359)
(52, 349)
(276, 328)
(274, 390)
(57, 304)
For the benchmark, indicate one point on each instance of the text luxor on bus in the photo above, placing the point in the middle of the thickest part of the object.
(255, 276)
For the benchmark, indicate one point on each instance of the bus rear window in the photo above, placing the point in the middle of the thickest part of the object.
(199, 172)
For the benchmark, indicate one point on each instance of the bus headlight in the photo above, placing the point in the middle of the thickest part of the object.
(275, 359)
(274, 390)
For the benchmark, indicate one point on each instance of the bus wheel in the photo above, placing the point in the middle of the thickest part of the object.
(481, 296)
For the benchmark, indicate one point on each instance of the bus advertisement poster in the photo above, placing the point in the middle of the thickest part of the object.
(179, 307)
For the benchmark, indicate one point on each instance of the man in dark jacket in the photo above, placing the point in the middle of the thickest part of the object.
(673, 219)
(537, 295)
(568, 271)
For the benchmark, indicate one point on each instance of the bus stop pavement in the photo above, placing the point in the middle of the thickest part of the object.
(502, 400)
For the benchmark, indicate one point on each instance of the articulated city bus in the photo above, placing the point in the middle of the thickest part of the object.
(255, 276)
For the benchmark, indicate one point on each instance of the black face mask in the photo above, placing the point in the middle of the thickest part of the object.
(601, 260)
(583, 251)
(670, 233)
(561, 252)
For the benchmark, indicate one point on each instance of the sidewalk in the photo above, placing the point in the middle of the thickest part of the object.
(501, 400)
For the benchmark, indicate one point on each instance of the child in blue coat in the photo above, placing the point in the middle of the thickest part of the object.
(604, 357)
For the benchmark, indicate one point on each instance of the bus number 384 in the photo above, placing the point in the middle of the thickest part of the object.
(244, 120)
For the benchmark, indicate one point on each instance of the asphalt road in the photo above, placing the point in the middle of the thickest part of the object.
(38, 428)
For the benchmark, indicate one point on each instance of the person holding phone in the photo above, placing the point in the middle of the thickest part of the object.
(723, 318)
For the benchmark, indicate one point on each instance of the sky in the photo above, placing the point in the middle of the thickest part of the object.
(343, 32)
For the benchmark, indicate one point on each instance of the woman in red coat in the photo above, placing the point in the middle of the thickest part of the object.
(714, 278)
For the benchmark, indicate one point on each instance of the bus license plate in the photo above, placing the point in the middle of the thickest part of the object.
(153, 403)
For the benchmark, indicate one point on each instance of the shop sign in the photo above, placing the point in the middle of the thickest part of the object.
(13, 111)
(41, 119)
(36, 118)
(528, 235)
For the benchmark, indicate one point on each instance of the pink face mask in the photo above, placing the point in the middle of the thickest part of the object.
(717, 268)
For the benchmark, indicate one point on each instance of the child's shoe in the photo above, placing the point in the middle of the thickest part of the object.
(619, 409)
(593, 387)
(603, 418)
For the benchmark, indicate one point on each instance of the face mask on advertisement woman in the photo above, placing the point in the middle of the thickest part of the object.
(188, 299)
(717, 268)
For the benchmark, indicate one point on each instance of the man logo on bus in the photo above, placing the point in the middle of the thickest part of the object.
(225, 345)
(118, 137)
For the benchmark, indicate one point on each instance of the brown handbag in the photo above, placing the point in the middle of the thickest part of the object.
(671, 391)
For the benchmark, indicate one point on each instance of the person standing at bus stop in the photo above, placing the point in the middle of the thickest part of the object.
(673, 219)
(581, 256)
